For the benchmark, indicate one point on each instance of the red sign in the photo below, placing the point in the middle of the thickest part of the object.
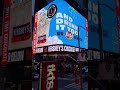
(5, 33)
(21, 33)
(69, 35)
(41, 39)
(49, 76)
(35, 34)
(86, 25)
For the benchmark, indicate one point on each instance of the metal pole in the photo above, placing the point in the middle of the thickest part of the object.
(80, 63)
(100, 33)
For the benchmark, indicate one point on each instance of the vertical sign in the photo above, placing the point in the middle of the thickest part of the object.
(49, 76)
(5, 33)
(118, 23)
(35, 33)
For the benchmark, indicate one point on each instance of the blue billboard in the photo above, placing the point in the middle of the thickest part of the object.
(108, 25)
(93, 33)
(60, 24)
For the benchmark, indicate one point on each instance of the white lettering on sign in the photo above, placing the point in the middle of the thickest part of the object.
(39, 50)
(16, 56)
(6, 26)
(81, 56)
(89, 53)
(58, 48)
(5, 47)
(93, 55)
(5, 41)
(7, 12)
(20, 30)
(63, 20)
(96, 55)
(62, 48)
(93, 12)
(50, 76)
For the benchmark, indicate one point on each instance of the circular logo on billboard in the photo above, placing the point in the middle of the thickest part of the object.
(51, 11)
(69, 35)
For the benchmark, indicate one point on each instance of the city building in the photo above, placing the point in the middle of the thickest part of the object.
(15, 64)
(76, 42)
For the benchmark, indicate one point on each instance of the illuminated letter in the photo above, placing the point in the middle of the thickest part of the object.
(59, 15)
(59, 21)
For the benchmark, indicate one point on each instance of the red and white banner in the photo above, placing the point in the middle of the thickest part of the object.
(20, 25)
(5, 33)
(35, 34)
(49, 76)
(118, 20)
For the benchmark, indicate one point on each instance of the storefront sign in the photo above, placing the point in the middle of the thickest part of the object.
(16, 56)
(57, 48)
(21, 33)
(5, 33)
(20, 25)
(55, 25)
(49, 76)
(93, 55)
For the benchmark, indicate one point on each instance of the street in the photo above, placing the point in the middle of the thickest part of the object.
(69, 84)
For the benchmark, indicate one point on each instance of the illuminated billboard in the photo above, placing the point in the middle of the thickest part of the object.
(93, 33)
(59, 28)
(108, 25)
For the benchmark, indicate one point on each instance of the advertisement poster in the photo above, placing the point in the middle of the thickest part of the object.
(93, 37)
(49, 76)
(17, 30)
(59, 26)
(109, 26)
(5, 33)
(20, 25)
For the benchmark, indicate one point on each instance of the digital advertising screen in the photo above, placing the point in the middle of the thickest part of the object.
(93, 33)
(108, 25)
(59, 28)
